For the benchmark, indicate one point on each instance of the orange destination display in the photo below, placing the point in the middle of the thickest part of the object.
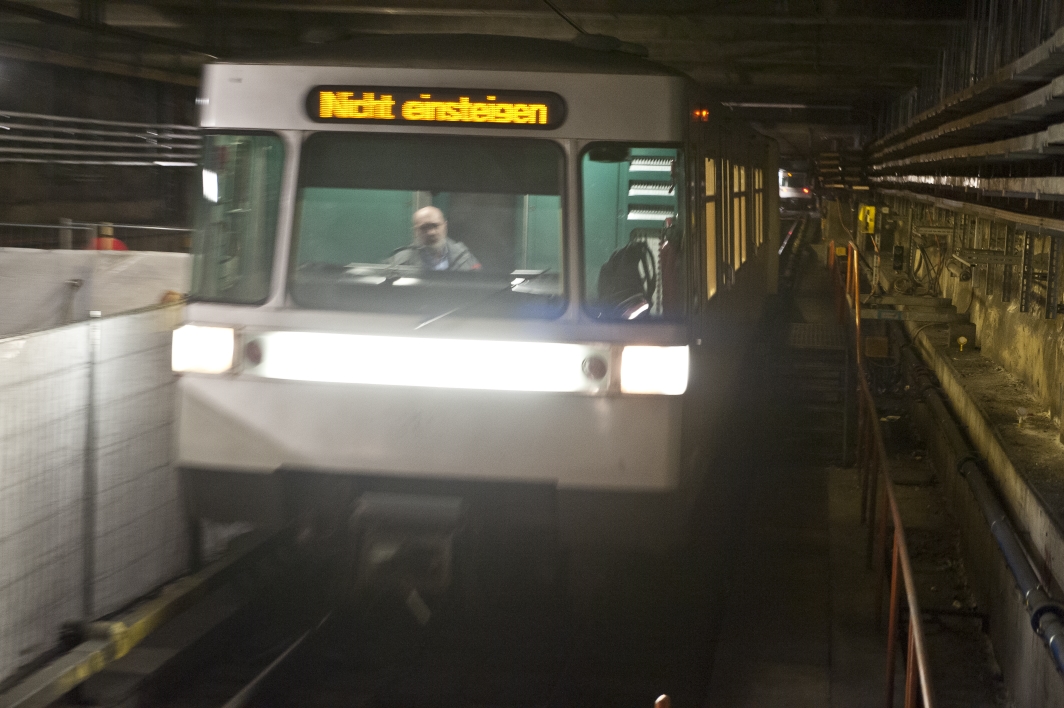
(454, 107)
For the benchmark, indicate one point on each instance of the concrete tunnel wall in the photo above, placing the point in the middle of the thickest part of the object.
(1029, 347)
(1026, 344)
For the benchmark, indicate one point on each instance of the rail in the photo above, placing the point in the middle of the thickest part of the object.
(874, 466)
(790, 251)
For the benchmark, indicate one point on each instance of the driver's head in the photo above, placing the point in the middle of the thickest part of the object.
(430, 228)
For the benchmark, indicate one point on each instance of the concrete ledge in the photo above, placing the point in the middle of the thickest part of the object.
(108, 642)
(1028, 669)
(44, 289)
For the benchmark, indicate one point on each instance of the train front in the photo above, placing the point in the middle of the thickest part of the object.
(405, 288)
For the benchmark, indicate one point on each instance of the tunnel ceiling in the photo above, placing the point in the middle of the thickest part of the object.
(822, 64)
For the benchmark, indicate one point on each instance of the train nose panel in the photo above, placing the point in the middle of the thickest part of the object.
(573, 440)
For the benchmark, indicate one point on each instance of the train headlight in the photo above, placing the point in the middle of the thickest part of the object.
(203, 350)
(661, 370)
(430, 362)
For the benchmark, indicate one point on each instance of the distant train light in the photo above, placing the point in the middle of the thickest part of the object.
(661, 370)
(701, 115)
(805, 190)
(202, 350)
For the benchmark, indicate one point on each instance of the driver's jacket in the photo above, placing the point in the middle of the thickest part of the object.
(458, 257)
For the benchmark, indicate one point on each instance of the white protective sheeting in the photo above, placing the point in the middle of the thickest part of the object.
(140, 537)
(43, 387)
(140, 527)
(38, 290)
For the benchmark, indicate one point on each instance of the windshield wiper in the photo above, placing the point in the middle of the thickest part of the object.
(520, 280)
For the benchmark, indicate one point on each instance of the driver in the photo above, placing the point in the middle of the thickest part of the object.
(431, 249)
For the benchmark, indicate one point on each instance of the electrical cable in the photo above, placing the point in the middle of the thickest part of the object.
(838, 212)
(923, 327)
(971, 297)
(565, 17)
(930, 278)
(920, 269)
(941, 264)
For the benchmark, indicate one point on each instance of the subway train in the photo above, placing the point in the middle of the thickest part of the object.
(517, 276)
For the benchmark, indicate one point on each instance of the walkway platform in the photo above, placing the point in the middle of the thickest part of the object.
(799, 624)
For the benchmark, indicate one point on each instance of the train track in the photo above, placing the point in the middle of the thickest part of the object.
(510, 630)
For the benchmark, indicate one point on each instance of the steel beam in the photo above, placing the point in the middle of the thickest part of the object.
(1019, 219)
(57, 18)
(912, 315)
(1053, 279)
(1027, 273)
(73, 61)
(984, 256)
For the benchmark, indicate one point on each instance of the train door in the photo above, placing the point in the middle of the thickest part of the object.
(702, 277)
(757, 196)
(738, 196)
(706, 280)
(729, 255)
(695, 248)
(769, 161)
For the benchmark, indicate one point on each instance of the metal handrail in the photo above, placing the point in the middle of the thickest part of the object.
(89, 230)
(873, 463)
(96, 121)
(138, 227)
(80, 226)
(36, 138)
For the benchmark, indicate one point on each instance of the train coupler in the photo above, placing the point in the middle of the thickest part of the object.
(405, 542)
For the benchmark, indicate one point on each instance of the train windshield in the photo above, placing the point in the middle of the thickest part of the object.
(427, 224)
(633, 231)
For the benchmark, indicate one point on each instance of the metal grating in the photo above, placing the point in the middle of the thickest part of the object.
(802, 335)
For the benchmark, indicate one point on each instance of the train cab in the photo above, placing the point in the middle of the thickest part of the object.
(478, 267)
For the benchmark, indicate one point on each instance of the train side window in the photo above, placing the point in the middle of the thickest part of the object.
(232, 247)
(759, 207)
(711, 227)
(726, 243)
(738, 215)
(633, 215)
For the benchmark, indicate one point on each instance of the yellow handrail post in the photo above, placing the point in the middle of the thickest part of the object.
(892, 626)
(857, 303)
(849, 267)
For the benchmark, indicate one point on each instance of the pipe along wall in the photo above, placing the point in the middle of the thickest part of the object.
(1045, 613)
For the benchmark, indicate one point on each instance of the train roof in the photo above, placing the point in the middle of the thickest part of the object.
(599, 55)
